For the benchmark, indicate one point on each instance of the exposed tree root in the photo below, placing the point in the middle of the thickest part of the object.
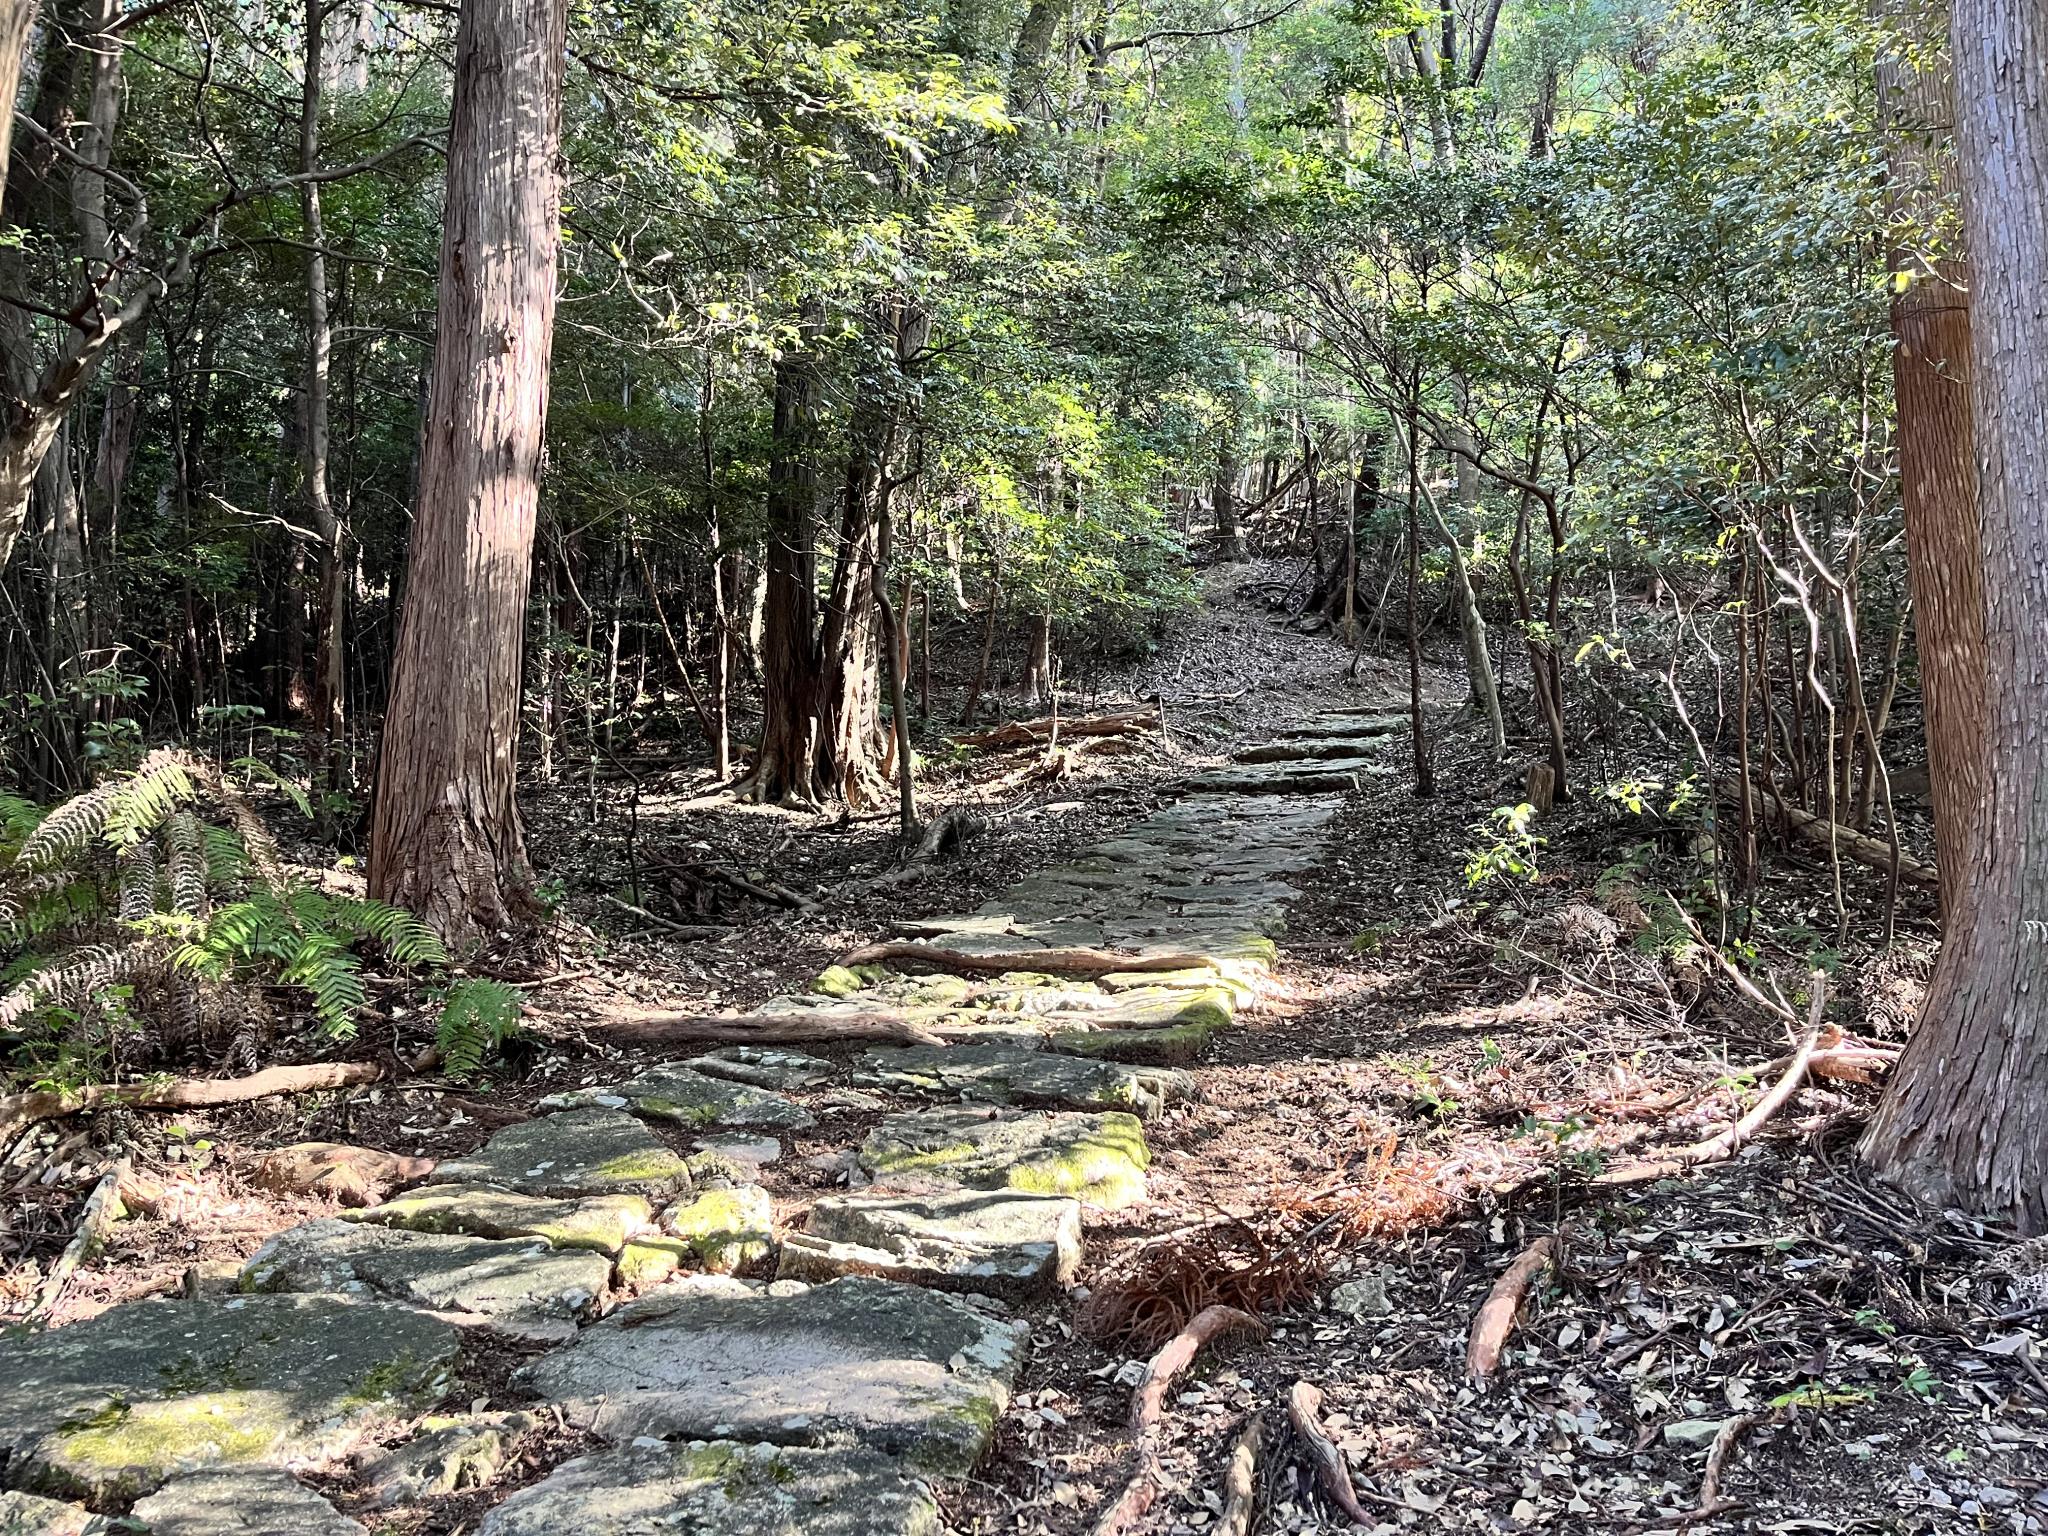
(1138, 1496)
(1305, 1413)
(21, 1110)
(754, 1028)
(1036, 733)
(1711, 1505)
(1149, 1400)
(1496, 1319)
(1241, 1480)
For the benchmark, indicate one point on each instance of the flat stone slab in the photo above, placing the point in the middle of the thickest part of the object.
(110, 1407)
(721, 1489)
(447, 1456)
(998, 1242)
(520, 1287)
(717, 1232)
(23, 1514)
(1099, 1158)
(1288, 778)
(1350, 724)
(995, 1072)
(241, 1501)
(600, 1223)
(763, 1066)
(689, 1097)
(579, 1152)
(1302, 749)
(891, 1367)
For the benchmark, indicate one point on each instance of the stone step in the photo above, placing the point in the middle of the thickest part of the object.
(109, 1408)
(1287, 779)
(577, 1152)
(894, 1368)
(1017, 1247)
(1303, 749)
(600, 1223)
(722, 1488)
(257, 1501)
(999, 1073)
(519, 1287)
(1358, 724)
(689, 1097)
(1099, 1159)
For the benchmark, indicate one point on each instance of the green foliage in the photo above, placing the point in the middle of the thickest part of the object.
(477, 1017)
(1508, 852)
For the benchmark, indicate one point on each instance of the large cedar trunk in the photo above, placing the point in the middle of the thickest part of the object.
(1965, 1120)
(785, 765)
(446, 839)
(1937, 470)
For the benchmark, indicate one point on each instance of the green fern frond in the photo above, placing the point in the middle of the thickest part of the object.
(226, 860)
(406, 939)
(33, 905)
(71, 980)
(18, 818)
(138, 882)
(328, 970)
(188, 865)
(477, 1017)
(143, 801)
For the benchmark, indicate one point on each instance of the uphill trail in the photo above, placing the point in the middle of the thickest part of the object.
(715, 1365)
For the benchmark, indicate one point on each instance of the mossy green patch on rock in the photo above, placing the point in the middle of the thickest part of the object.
(691, 1098)
(838, 981)
(109, 1407)
(600, 1223)
(1175, 1046)
(1098, 1158)
(598, 1151)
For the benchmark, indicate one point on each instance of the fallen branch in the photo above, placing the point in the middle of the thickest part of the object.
(1496, 1319)
(1149, 1400)
(1138, 1496)
(1304, 1412)
(1711, 1505)
(1037, 733)
(102, 1209)
(1870, 851)
(1727, 1143)
(1722, 963)
(1070, 962)
(21, 1110)
(947, 832)
(681, 930)
(752, 1028)
(1241, 1480)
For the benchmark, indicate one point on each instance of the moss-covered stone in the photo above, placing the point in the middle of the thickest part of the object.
(23, 1514)
(838, 981)
(1100, 1159)
(110, 1407)
(596, 1151)
(691, 1098)
(723, 1489)
(599, 1223)
(1173, 1047)
(1002, 1072)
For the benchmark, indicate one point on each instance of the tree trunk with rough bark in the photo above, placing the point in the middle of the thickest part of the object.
(785, 764)
(1965, 1119)
(1931, 375)
(446, 838)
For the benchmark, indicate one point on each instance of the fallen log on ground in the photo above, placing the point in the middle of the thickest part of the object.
(1304, 1412)
(1496, 1319)
(1036, 733)
(1065, 962)
(21, 1110)
(1179, 1352)
(764, 1029)
(1874, 852)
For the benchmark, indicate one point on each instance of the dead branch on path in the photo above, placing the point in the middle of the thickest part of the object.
(1710, 1503)
(1241, 1479)
(1037, 733)
(681, 930)
(21, 1110)
(1068, 962)
(1496, 1319)
(1304, 1412)
(1138, 1496)
(947, 831)
(1727, 1143)
(1149, 1400)
(764, 1029)
(102, 1209)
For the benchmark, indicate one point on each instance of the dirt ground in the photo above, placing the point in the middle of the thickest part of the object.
(1443, 1074)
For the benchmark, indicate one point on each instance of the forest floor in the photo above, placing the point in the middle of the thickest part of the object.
(1435, 1075)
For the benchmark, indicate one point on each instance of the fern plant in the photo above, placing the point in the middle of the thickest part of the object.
(128, 886)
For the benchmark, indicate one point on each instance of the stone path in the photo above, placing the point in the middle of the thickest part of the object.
(815, 1403)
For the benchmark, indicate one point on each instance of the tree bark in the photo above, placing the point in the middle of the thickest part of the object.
(1931, 376)
(785, 764)
(17, 20)
(1965, 1119)
(446, 838)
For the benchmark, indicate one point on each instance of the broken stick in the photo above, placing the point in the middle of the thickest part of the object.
(95, 1221)
(1496, 1319)
(1179, 1352)
(1304, 1412)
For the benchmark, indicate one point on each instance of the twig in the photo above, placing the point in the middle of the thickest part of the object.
(1727, 968)
(1710, 1503)
(102, 1209)
(1149, 1400)
(683, 930)
(1304, 1412)
(1137, 1497)
(1496, 1319)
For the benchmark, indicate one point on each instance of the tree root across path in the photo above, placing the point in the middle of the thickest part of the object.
(1496, 1319)
(20, 1111)
(755, 1029)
